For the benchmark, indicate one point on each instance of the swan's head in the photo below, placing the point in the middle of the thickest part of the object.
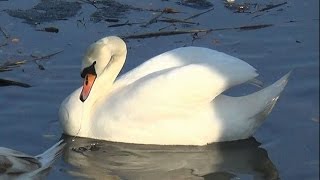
(99, 57)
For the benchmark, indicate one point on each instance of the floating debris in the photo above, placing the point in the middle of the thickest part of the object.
(164, 33)
(270, 6)
(6, 82)
(199, 14)
(196, 4)
(190, 17)
(4, 44)
(82, 149)
(253, 27)
(239, 8)
(5, 34)
(8, 66)
(245, 28)
(46, 56)
(216, 41)
(220, 175)
(171, 20)
(41, 67)
(170, 11)
(153, 20)
(15, 40)
(111, 20)
(47, 11)
(246, 7)
(176, 32)
(127, 23)
(49, 29)
(109, 9)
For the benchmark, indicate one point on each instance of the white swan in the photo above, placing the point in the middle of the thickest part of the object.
(174, 98)
(17, 165)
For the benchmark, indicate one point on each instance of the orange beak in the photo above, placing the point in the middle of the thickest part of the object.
(87, 85)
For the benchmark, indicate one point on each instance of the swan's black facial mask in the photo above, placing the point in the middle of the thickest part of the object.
(89, 74)
(89, 70)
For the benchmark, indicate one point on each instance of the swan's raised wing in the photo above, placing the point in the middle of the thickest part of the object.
(181, 57)
(183, 87)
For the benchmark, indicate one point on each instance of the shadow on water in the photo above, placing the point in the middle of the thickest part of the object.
(102, 159)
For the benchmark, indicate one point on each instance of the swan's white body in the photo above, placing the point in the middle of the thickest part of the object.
(174, 98)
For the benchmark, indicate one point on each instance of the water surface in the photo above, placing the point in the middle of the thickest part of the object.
(286, 145)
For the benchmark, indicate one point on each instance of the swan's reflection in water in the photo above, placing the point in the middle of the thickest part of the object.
(94, 159)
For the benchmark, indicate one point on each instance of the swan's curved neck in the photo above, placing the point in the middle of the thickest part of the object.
(110, 73)
(108, 57)
(104, 81)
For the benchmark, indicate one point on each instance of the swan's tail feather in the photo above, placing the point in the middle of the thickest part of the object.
(281, 83)
(261, 116)
(264, 100)
(245, 114)
(47, 158)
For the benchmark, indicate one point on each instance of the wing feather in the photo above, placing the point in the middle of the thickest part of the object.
(183, 87)
(186, 56)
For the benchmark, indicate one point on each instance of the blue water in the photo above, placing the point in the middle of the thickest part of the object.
(286, 146)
